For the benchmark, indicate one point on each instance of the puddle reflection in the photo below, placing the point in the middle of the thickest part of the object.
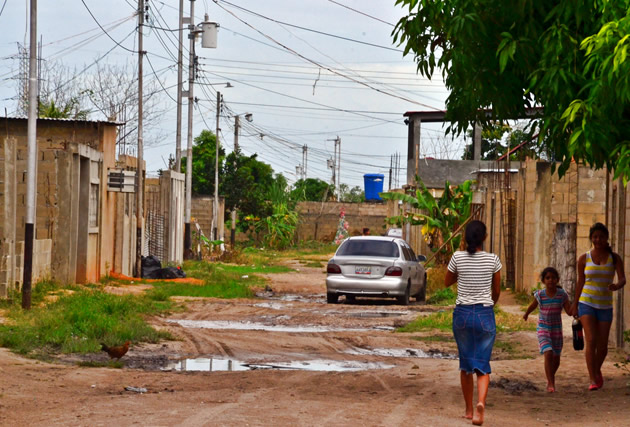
(400, 352)
(254, 326)
(222, 365)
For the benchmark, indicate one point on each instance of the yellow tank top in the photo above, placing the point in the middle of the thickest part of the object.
(597, 278)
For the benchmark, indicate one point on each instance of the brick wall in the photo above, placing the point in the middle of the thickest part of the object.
(319, 221)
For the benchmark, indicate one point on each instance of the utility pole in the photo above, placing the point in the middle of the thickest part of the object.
(391, 162)
(215, 204)
(31, 162)
(338, 164)
(140, 159)
(237, 124)
(304, 160)
(189, 142)
(180, 71)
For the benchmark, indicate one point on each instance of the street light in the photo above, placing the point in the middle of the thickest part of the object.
(208, 32)
(237, 124)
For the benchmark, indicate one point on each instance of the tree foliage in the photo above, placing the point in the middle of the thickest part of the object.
(312, 190)
(203, 164)
(569, 57)
(351, 195)
(71, 110)
(498, 138)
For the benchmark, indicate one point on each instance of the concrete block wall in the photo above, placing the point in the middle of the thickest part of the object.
(579, 197)
(319, 221)
(201, 212)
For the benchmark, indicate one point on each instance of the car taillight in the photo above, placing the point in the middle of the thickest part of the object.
(393, 271)
(333, 269)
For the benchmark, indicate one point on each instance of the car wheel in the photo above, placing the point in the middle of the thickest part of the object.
(404, 300)
(332, 298)
(422, 295)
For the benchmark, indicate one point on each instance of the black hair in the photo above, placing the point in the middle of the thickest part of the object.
(547, 271)
(598, 226)
(474, 235)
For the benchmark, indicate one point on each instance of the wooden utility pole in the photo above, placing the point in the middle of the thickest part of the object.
(140, 157)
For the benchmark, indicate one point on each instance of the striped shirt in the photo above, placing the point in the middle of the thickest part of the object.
(596, 280)
(474, 276)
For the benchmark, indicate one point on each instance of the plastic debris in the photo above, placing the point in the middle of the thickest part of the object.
(136, 389)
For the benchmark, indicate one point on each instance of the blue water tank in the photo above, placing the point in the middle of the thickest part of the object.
(373, 185)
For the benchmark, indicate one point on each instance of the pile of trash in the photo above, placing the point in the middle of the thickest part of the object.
(152, 269)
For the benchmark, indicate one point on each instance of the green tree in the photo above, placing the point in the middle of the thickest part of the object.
(245, 183)
(312, 190)
(569, 57)
(351, 195)
(69, 110)
(495, 143)
(204, 155)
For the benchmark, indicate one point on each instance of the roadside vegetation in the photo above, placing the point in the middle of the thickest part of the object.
(78, 318)
(443, 321)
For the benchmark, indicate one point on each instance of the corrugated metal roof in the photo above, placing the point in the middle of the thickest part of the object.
(51, 119)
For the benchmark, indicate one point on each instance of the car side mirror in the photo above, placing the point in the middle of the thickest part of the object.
(422, 258)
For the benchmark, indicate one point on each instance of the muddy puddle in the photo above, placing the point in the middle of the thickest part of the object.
(256, 326)
(377, 314)
(222, 365)
(400, 352)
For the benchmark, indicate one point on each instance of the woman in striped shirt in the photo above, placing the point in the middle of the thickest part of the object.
(593, 299)
(478, 278)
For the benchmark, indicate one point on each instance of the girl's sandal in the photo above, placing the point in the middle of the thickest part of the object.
(593, 387)
(551, 389)
(600, 381)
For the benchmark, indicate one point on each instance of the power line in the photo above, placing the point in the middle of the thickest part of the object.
(309, 29)
(322, 66)
(361, 13)
(105, 31)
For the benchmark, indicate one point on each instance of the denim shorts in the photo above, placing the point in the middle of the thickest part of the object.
(474, 329)
(601, 314)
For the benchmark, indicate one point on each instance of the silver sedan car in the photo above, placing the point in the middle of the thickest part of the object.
(372, 266)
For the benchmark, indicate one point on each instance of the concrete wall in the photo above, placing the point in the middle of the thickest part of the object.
(201, 211)
(545, 201)
(435, 172)
(75, 215)
(619, 227)
(319, 221)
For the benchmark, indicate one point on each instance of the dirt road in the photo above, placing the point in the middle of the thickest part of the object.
(295, 360)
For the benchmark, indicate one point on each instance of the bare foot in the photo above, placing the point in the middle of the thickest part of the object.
(468, 416)
(551, 389)
(478, 418)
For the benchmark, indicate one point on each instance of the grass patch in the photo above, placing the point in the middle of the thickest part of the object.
(225, 289)
(78, 322)
(444, 296)
(443, 321)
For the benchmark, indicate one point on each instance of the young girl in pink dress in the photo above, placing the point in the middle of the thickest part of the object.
(551, 301)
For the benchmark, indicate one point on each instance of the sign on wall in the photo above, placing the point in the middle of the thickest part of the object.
(121, 180)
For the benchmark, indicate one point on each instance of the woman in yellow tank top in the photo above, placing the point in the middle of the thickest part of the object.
(593, 299)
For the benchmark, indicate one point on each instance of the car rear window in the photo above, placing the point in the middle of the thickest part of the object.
(377, 248)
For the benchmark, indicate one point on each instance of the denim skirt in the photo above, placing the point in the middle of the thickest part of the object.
(474, 329)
